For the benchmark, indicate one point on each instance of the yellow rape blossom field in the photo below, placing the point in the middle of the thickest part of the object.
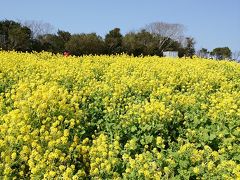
(118, 117)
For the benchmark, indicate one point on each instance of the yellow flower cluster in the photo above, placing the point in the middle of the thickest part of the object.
(104, 158)
(118, 117)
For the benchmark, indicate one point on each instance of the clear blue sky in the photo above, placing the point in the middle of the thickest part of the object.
(213, 23)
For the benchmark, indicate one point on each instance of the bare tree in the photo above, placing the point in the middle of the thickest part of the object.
(38, 28)
(166, 31)
(236, 55)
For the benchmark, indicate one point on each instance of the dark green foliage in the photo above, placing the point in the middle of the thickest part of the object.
(35, 45)
(80, 44)
(203, 53)
(190, 50)
(146, 43)
(140, 43)
(13, 36)
(64, 35)
(222, 53)
(153, 40)
(113, 41)
(54, 43)
(51, 43)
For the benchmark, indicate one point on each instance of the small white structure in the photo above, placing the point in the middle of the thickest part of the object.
(170, 54)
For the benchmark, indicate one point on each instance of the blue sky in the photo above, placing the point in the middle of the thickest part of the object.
(213, 23)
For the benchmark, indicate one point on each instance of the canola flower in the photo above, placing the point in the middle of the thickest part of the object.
(118, 117)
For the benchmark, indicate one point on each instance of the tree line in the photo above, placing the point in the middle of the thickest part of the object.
(153, 39)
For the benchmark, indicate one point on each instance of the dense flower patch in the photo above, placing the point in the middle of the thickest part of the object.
(118, 117)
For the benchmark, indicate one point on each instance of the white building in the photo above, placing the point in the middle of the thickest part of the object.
(170, 54)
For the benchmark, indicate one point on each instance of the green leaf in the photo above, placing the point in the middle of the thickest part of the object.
(148, 139)
(133, 128)
(183, 164)
(212, 137)
(142, 141)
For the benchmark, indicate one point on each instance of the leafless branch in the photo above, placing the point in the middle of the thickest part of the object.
(38, 27)
(166, 31)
